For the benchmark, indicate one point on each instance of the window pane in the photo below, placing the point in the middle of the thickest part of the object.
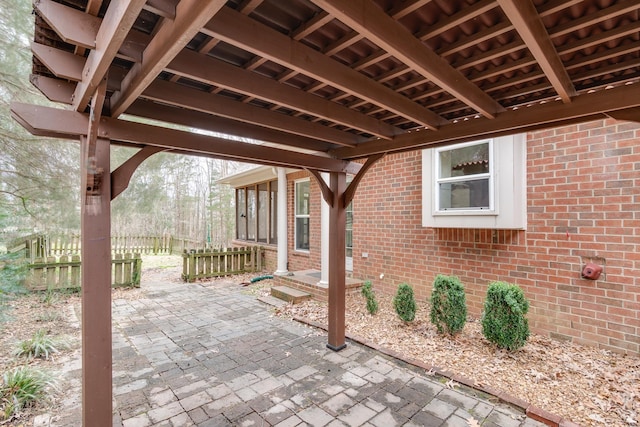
(302, 233)
(302, 198)
(273, 203)
(241, 219)
(465, 194)
(251, 213)
(262, 212)
(464, 161)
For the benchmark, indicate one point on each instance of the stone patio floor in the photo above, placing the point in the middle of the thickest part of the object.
(211, 354)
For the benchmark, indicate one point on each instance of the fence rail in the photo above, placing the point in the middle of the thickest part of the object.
(203, 265)
(64, 272)
(38, 246)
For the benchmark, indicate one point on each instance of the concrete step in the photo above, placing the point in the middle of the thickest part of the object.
(291, 295)
(272, 301)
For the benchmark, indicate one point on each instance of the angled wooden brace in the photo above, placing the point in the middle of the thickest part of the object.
(121, 176)
(327, 194)
(338, 196)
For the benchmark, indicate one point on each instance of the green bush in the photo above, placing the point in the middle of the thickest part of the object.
(448, 305)
(22, 387)
(367, 291)
(503, 319)
(41, 345)
(405, 303)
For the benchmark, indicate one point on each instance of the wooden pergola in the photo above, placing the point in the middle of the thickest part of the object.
(319, 83)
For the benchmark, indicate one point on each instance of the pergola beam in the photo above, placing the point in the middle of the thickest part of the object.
(46, 121)
(210, 103)
(368, 19)
(582, 108)
(169, 40)
(204, 121)
(527, 22)
(215, 72)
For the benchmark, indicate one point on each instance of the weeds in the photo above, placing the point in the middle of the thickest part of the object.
(22, 387)
(41, 345)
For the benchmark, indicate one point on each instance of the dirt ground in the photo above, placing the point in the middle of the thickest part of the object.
(587, 386)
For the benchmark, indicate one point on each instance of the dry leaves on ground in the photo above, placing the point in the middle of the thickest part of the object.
(588, 386)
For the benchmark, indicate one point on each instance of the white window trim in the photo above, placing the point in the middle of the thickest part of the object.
(509, 154)
(296, 216)
(492, 209)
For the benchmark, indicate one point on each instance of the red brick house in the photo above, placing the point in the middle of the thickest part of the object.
(543, 209)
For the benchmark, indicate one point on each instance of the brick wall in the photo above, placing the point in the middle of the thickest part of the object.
(583, 204)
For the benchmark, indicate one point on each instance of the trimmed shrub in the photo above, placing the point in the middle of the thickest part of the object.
(367, 291)
(503, 319)
(448, 305)
(405, 303)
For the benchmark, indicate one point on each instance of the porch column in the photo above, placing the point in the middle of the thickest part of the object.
(282, 223)
(324, 237)
(337, 270)
(96, 291)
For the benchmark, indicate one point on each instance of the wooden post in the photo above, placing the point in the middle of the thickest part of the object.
(337, 268)
(96, 294)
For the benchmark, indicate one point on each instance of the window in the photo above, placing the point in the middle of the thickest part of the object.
(256, 206)
(479, 184)
(464, 179)
(302, 195)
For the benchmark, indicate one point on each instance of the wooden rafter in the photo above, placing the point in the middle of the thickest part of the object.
(368, 19)
(83, 34)
(215, 72)
(243, 32)
(523, 15)
(172, 36)
(118, 19)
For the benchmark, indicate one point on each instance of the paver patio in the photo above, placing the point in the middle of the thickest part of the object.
(213, 355)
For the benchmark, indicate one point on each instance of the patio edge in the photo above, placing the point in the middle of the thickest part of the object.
(532, 411)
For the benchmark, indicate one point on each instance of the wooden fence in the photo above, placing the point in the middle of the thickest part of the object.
(202, 265)
(64, 272)
(42, 246)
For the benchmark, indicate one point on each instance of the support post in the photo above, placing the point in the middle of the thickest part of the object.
(282, 268)
(337, 268)
(96, 293)
(324, 237)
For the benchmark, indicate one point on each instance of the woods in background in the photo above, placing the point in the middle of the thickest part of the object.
(40, 177)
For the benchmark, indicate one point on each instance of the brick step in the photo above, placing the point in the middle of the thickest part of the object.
(291, 295)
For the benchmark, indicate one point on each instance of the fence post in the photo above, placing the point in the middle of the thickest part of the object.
(64, 272)
(117, 276)
(75, 272)
(137, 270)
(51, 273)
(192, 267)
(127, 267)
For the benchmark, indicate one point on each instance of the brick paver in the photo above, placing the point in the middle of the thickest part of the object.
(213, 355)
